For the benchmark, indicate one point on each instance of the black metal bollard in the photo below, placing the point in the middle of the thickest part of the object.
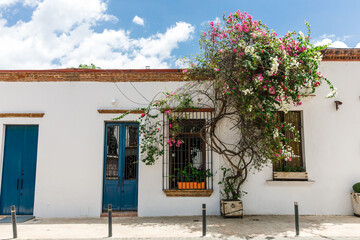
(204, 219)
(110, 219)
(13, 220)
(297, 218)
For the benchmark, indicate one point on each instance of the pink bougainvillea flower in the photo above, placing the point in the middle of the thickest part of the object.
(185, 71)
(143, 115)
(167, 111)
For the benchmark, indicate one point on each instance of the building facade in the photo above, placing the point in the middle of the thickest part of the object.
(64, 155)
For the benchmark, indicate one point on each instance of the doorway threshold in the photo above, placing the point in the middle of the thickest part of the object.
(120, 214)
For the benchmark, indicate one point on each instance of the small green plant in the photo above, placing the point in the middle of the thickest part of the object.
(356, 187)
(191, 174)
(289, 169)
(231, 183)
(91, 66)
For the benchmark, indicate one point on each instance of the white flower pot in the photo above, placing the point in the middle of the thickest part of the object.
(355, 198)
(231, 208)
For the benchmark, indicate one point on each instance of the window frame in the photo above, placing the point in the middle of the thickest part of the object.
(294, 176)
(207, 155)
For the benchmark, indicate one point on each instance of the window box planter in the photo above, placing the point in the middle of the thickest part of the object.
(231, 208)
(355, 198)
(191, 185)
(299, 176)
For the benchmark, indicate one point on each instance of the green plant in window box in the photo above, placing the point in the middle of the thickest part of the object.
(355, 197)
(191, 177)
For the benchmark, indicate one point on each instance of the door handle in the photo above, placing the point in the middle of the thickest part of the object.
(22, 183)
(17, 184)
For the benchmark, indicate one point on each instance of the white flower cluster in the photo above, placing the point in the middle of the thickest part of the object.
(242, 44)
(276, 133)
(301, 34)
(284, 106)
(248, 91)
(249, 50)
(287, 152)
(274, 66)
(333, 93)
(294, 63)
(318, 57)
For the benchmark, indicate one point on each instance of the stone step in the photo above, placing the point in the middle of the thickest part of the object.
(121, 214)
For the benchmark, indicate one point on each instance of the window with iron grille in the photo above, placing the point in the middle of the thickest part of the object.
(187, 163)
(297, 163)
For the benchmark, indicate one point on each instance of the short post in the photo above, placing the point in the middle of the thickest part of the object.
(297, 218)
(13, 220)
(204, 219)
(110, 219)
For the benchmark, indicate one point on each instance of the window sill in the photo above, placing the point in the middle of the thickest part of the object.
(289, 182)
(188, 193)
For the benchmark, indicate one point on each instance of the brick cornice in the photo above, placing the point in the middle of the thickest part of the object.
(135, 75)
(341, 54)
(92, 75)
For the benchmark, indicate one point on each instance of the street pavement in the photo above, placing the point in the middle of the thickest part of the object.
(265, 227)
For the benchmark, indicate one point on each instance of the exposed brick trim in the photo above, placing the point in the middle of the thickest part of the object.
(92, 75)
(117, 111)
(134, 75)
(188, 193)
(22, 115)
(341, 54)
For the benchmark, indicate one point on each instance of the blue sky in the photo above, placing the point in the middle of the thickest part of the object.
(43, 34)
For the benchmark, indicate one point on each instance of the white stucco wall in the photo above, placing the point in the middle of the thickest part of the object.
(69, 173)
(332, 153)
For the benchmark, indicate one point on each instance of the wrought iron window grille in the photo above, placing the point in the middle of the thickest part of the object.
(187, 159)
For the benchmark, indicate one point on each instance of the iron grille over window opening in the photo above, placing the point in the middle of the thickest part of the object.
(187, 163)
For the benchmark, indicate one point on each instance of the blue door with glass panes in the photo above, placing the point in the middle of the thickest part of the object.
(121, 166)
(19, 169)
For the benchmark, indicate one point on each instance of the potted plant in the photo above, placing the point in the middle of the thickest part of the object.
(290, 173)
(191, 177)
(231, 204)
(355, 197)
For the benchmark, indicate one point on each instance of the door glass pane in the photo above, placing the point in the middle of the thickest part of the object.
(131, 153)
(112, 153)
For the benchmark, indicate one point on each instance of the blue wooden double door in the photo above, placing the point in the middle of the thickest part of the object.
(121, 166)
(19, 169)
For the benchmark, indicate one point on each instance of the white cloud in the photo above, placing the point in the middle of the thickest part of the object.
(331, 43)
(8, 3)
(357, 45)
(60, 35)
(138, 20)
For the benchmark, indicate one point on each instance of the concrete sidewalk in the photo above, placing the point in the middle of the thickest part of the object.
(251, 227)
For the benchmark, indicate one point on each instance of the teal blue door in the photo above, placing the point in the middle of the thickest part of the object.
(19, 169)
(121, 166)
